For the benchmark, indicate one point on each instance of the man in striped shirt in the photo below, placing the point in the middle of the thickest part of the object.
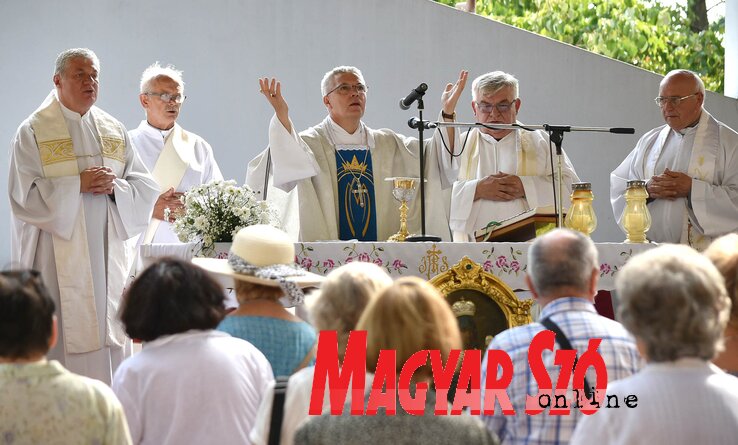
(562, 275)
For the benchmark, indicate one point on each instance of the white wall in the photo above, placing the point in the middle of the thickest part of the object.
(730, 42)
(223, 46)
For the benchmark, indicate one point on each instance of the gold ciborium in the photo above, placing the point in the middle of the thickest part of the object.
(403, 189)
(636, 217)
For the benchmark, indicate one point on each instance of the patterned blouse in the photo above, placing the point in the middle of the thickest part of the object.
(285, 343)
(42, 402)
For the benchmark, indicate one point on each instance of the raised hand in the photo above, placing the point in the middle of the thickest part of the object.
(272, 90)
(452, 93)
(97, 180)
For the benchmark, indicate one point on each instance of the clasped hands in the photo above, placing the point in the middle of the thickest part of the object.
(168, 205)
(500, 187)
(97, 180)
(669, 185)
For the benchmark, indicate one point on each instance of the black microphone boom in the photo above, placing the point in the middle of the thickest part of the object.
(414, 95)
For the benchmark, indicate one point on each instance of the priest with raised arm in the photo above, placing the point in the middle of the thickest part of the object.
(503, 172)
(690, 166)
(339, 166)
(177, 159)
(79, 196)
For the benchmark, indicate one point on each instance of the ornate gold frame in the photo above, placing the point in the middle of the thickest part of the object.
(466, 274)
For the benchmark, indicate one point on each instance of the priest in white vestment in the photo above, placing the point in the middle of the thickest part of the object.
(503, 172)
(339, 166)
(690, 166)
(79, 196)
(177, 159)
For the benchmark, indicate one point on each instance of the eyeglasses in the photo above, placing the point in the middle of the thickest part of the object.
(661, 101)
(345, 89)
(502, 108)
(166, 97)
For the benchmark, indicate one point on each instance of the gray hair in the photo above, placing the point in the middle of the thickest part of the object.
(561, 259)
(723, 252)
(65, 56)
(674, 301)
(683, 72)
(328, 78)
(344, 295)
(156, 72)
(493, 82)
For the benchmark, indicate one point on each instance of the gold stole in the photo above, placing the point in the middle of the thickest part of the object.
(72, 258)
(527, 164)
(170, 167)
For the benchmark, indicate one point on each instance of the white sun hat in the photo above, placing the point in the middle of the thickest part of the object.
(265, 255)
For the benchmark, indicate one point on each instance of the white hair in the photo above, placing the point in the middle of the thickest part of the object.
(344, 295)
(156, 72)
(493, 82)
(674, 301)
(65, 56)
(328, 78)
(561, 259)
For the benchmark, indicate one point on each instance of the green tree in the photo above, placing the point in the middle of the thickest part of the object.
(642, 33)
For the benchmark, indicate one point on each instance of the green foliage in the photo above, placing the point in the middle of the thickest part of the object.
(645, 34)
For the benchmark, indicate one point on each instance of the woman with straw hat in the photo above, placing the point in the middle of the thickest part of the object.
(262, 263)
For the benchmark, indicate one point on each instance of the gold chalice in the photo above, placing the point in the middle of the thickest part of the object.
(403, 189)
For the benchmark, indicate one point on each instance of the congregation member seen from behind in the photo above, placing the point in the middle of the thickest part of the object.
(338, 305)
(40, 401)
(723, 252)
(563, 269)
(262, 263)
(677, 312)
(190, 384)
(408, 317)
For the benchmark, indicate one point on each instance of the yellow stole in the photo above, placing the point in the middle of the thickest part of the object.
(72, 258)
(701, 166)
(527, 164)
(170, 167)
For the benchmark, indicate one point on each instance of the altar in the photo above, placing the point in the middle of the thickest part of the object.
(508, 261)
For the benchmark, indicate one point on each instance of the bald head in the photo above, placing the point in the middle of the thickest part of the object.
(687, 94)
(561, 264)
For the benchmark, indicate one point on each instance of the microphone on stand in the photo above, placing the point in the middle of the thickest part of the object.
(619, 130)
(414, 95)
(414, 122)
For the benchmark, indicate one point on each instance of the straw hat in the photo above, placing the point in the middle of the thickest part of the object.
(263, 255)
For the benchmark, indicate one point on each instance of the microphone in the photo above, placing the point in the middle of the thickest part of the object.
(414, 122)
(414, 95)
(619, 130)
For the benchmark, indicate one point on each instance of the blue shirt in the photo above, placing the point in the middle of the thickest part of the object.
(285, 343)
(579, 321)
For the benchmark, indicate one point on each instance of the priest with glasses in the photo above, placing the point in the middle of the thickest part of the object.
(339, 166)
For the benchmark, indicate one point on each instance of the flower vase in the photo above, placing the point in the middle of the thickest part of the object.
(220, 250)
(217, 250)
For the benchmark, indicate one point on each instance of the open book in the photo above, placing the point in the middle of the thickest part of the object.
(519, 228)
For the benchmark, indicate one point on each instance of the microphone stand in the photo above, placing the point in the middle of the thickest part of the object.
(556, 136)
(422, 236)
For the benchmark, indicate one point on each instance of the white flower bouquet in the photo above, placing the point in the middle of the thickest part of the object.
(215, 211)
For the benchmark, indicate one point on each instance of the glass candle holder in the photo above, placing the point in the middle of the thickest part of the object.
(636, 217)
(581, 216)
